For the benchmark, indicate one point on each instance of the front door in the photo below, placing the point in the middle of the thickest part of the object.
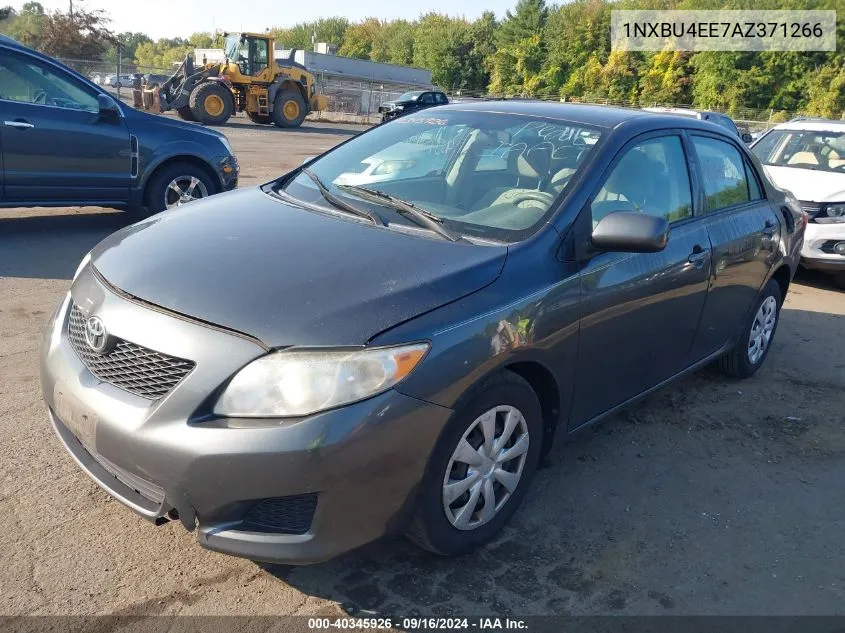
(640, 311)
(57, 149)
(743, 230)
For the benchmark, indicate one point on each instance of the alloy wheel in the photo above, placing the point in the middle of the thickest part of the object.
(485, 467)
(182, 190)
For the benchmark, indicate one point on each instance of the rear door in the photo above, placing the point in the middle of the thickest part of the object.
(743, 229)
(640, 311)
(57, 149)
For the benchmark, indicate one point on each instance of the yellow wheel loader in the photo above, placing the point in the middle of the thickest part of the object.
(250, 80)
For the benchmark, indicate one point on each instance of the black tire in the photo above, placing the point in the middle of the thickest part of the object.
(185, 114)
(260, 119)
(155, 194)
(206, 92)
(839, 280)
(736, 363)
(285, 96)
(430, 528)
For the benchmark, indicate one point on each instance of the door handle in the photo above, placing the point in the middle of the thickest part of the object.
(21, 125)
(698, 256)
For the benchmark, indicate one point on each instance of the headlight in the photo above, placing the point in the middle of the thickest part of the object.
(832, 214)
(226, 144)
(301, 382)
(393, 166)
(82, 265)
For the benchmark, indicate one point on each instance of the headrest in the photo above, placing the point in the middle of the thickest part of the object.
(534, 163)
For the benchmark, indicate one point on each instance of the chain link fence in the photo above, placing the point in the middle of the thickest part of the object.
(359, 99)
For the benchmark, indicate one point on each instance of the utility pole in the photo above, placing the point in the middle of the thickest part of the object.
(71, 10)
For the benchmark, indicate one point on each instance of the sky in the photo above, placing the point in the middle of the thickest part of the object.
(172, 18)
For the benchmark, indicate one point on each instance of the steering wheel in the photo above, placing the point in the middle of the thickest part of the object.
(40, 97)
(537, 196)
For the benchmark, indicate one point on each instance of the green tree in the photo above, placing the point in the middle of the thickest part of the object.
(393, 43)
(83, 36)
(667, 79)
(359, 38)
(826, 89)
(527, 20)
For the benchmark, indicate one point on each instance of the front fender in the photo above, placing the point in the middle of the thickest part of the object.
(151, 159)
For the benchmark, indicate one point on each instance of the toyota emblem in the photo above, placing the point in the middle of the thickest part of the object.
(96, 335)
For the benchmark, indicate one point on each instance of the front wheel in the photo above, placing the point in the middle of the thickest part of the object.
(289, 108)
(176, 185)
(757, 336)
(480, 469)
(211, 103)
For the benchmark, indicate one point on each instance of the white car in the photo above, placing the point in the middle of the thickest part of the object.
(807, 157)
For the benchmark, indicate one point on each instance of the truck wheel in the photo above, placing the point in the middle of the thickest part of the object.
(211, 103)
(261, 119)
(178, 184)
(185, 113)
(289, 108)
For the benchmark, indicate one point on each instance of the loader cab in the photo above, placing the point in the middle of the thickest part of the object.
(250, 52)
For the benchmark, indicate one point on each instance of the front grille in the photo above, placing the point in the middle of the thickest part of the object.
(138, 370)
(285, 515)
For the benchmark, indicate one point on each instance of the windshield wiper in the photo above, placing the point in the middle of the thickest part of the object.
(420, 216)
(341, 204)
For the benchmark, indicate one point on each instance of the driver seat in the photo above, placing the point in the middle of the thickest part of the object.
(532, 166)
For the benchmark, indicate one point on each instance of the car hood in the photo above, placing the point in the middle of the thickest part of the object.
(161, 122)
(288, 276)
(393, 104)
(808, 184)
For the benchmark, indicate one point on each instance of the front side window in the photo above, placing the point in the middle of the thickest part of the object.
(722, 172)
(29, 81)
(650, 178)
(803, 149)
(435, 162)
(427, 98)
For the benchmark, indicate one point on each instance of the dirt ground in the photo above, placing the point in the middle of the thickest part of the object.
(711, 497)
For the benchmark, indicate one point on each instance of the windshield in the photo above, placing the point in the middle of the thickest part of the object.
(802, 149)
(232, 46)
(408, 96)
(494, 176)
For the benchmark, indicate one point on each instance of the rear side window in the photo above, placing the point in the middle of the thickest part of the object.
(441, 98)
(427, 98)
(722, 172)
(754, 191)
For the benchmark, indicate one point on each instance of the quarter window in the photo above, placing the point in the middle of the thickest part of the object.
(722, 172)
(651, 178)
(29, 81)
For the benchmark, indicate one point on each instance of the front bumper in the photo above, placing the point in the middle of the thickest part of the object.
(817, 252)
(171, 457)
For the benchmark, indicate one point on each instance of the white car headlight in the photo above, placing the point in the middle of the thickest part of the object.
(82, 265)
(293, 383)
(832, 214)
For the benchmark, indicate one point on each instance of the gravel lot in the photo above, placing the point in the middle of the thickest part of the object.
(711, 497)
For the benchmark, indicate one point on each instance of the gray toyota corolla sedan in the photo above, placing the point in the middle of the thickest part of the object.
(299, 368)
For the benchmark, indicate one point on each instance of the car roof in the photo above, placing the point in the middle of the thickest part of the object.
(591, 115)
(812, 125)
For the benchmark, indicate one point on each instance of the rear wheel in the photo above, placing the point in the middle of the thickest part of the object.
(261, 119)
(757, 336)
(178, 184)
(211, 103)
(480, 469)
(289, 108)
(185, 113)
(839, 280)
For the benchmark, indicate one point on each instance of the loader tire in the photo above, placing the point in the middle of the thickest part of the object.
(211, 103)
(261, 119)
(289, 108)
(185, 113)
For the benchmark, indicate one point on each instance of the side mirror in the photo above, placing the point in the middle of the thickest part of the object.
(746, 137)
(631, 232)
(107, 106)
